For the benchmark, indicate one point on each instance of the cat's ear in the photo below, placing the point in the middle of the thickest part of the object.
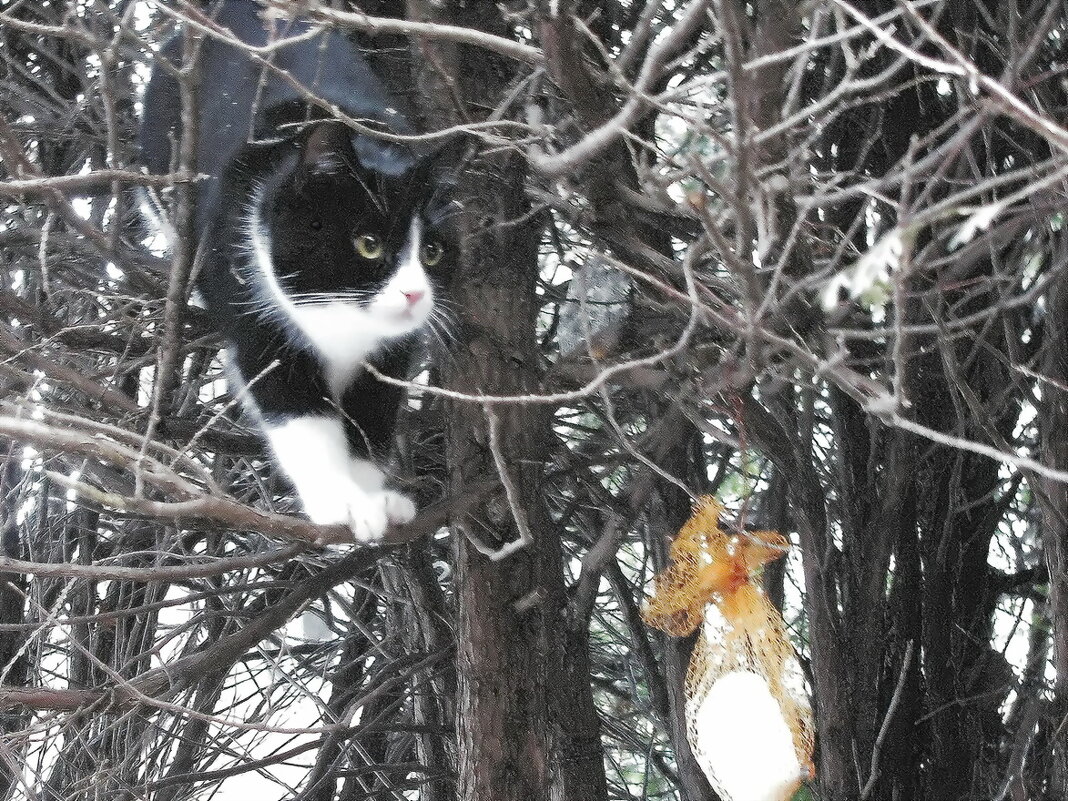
(452, 154)
(442, 169)
(447, 163)
(325, 149)
(330, 147)
(382, 156)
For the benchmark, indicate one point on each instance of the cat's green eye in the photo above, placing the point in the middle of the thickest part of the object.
(369, 246)
(432, 252)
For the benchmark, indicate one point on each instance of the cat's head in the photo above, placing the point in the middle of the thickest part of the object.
(360, 230)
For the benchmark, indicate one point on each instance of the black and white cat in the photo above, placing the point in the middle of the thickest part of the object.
(318, 249)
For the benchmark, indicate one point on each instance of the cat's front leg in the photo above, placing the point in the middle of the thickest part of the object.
(400, 508)
(333, 487)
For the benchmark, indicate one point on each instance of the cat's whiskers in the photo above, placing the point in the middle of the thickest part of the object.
(438, 338)
(311, 299)
(441, 324)
(455, 209)
(263, 308)
(444, 311)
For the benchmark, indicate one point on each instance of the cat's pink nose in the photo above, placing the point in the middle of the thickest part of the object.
(414, 297)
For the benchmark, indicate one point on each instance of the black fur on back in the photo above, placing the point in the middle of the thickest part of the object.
(241, 100)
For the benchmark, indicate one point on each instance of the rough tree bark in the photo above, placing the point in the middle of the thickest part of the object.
(12, 587)
(527, 728)
(1054, 498)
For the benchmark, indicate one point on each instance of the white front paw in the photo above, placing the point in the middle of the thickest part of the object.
(349, 505)
(368, 519)
(399, 508)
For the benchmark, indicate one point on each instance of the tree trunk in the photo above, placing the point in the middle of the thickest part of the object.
(12, 603)
(527, 728)
(508, 610)
(1055, 518)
